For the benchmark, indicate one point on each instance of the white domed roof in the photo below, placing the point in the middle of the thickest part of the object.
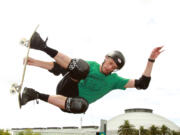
(140, 117)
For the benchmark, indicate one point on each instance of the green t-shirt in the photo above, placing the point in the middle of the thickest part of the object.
(96, 84)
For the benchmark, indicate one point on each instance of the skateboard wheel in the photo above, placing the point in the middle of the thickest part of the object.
(12, 91)
(24, 42)
(14, 88)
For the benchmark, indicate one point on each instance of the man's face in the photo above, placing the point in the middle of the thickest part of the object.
(108, 66)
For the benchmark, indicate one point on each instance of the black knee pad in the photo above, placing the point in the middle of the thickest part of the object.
(78, 68)
(76, 105)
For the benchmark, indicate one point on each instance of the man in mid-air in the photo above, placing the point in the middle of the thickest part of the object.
(83, 82)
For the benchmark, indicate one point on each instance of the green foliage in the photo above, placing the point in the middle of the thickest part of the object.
(2, 132)
(154, 130)
(126, 128)
(21, 133)
(143, 131)
(165, 130)
(175, 133)
(28, 132)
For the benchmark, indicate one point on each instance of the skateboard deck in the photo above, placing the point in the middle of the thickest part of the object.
(15, 87)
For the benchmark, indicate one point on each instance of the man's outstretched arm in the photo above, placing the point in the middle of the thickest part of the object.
(144, 80)
(52, 67)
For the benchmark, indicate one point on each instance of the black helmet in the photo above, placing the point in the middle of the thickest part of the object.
(118, 58)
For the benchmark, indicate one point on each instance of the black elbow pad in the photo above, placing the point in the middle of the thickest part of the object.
(142, 82)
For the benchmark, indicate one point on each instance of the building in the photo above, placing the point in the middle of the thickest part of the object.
(136, 116)
(140, 117)
(84, 130)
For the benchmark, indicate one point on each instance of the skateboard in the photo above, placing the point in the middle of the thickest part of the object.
(15, 87)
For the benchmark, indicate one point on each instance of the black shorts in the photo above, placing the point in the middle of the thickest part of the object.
(67, 87)
(77, 69)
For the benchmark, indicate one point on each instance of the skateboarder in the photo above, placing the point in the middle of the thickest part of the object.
(83, 82)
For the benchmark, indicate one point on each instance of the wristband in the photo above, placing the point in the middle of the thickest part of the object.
(151, 60)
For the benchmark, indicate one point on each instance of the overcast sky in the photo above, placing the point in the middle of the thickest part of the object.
(89, 29)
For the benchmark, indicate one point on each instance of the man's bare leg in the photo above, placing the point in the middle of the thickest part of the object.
(57, 100)
(68, 104)
(62, 59)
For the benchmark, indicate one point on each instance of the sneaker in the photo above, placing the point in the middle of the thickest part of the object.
(28, 94)
(37, 42)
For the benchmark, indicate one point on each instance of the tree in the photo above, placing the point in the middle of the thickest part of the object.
(126, 128)
(143, 131)
(2, 132)
(28, 132)
(175, 133)
(153, 130)
(21, 133)
(165, 130)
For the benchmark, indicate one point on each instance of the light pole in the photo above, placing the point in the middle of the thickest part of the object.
(139, 131)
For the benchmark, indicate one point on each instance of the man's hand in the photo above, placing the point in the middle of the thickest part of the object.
(155, 53)
(39, 63)
(30, 61)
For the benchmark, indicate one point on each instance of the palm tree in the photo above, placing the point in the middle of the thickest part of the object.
(2, 132)
(165, 130)
(21, 133)
(135, 132)
(154, 130)
(175, 133)
(126, 128)
(28, 132)
(143, 131)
